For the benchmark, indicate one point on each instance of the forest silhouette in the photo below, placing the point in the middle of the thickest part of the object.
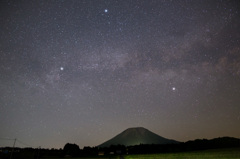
(73, 150)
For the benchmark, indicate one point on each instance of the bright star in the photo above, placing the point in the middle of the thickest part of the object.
(105, 10)
(61, 68)
(173, 88)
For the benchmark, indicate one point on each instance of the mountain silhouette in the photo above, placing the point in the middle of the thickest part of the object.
(136, 136)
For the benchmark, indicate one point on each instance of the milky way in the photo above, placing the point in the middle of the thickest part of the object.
(83, 71)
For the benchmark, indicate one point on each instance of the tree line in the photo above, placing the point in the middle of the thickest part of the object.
(73, 150)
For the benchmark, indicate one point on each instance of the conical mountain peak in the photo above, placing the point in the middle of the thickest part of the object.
(136, 136)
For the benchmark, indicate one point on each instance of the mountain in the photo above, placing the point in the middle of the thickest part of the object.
(136, 136)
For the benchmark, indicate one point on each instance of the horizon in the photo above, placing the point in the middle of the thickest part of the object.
(29, 146)
(83, 71)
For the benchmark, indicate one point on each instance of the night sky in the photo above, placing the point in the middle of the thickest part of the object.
(84, 71)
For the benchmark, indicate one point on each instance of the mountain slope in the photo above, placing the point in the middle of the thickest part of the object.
(136, 136)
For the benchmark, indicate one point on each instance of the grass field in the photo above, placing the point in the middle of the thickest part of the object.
(205, 154)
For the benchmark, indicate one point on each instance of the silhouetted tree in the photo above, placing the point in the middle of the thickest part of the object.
(71, 149)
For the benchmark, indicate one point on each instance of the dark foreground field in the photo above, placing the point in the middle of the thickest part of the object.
(233, 153)
(206, 154)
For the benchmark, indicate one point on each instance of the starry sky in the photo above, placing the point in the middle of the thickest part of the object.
(84, 71)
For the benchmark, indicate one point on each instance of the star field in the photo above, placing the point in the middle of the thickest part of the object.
(83, 71)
